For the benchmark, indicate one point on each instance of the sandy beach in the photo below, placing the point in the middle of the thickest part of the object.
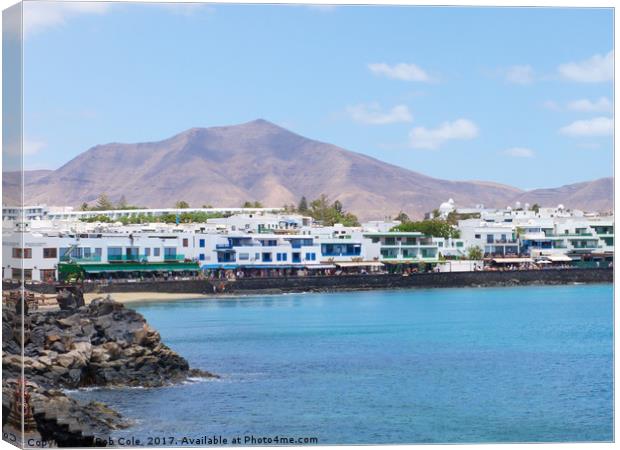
(135, 297)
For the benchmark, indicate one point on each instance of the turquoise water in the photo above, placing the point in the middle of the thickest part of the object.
(412, 366)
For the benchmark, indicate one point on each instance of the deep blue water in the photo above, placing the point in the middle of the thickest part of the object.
(412, 366)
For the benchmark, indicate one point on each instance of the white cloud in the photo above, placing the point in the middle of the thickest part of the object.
(596, 69)
(373, 114)
(401, 71)
(520, 74)
(598, 126)
(33, 146)
(520, 152)
(585, 105)
(39, 16)
(28, 146)
(427, 138)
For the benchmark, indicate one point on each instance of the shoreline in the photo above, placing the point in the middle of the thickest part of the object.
(128, 298)
(197, 289)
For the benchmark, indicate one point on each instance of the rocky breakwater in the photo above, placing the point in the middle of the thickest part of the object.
(101, 344)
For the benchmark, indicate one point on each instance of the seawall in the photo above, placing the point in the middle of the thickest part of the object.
(350, 282)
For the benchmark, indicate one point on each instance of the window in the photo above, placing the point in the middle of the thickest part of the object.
(477, 236)
(440, 244)
(17, 274)
(201, 257)
(115, 251)
(490, 238)
(50, 252)
(147, 252)
(281, 256)
(156, 251)
(310, 256)
(244, 256)
(48, 275)
(185, 242)
(201, 243)
(22, 253)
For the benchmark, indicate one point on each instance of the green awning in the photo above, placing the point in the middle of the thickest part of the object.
(153, 267)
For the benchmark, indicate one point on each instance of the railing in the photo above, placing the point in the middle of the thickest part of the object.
(389, 256)
(126, 258)
(174, 257)
(93, 258)
(567, 235)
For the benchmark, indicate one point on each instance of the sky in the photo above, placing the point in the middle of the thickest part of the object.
(520, 96)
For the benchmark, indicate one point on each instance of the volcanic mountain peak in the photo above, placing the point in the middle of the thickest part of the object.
(259, 160)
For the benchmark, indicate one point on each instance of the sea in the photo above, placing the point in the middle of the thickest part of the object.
(466, 365)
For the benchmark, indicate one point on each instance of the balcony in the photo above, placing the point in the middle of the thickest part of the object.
(586, 246)
(83, 259)
(127, 258)
(174, 257)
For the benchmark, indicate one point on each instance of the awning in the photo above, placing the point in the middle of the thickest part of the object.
(267, 266)
(512, 260)
(360, 264)
(219, 266)
(155, 267)
(543, 261)
(407, 261)
(559, 258)
(320, 266)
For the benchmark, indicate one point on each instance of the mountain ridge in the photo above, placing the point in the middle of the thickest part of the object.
(259, 160)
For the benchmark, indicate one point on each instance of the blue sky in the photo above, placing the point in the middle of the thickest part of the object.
(512, 95)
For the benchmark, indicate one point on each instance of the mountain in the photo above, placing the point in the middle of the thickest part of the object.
(225, 166)
(594, 195)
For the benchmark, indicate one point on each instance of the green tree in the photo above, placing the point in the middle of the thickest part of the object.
(519, 231)
(402, 217)
(255, 204)
(475, 253)
(104, 203)
(181, 204)
(535, 207)
(319, 209)
(84, 207)
(331, 213)
(430, 227)
(337, 206)
(303, 205)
